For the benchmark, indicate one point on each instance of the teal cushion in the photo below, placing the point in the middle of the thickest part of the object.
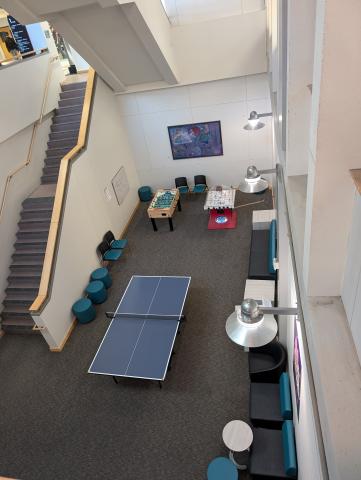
(285, 397)
(113, 254)
(289, 449)
(103, 275)
(200, 188)
(96, 291)
(145, 194)
(272, 239)
(221, 468)
(183, 189)
(119, 243)
(84, 310)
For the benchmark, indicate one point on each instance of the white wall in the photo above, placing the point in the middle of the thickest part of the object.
(22, 86)
(222, 48)
(13, 153)
(147, 115)
(88, 213)
(351, 288)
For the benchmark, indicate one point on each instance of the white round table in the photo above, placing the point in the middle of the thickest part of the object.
(237, 436)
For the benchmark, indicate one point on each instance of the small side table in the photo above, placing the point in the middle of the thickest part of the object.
(238, 437)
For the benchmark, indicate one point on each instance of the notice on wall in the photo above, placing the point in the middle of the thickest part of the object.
(120, 185)
(20, 35)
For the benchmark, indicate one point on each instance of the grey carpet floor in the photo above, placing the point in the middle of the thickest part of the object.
(58, 422)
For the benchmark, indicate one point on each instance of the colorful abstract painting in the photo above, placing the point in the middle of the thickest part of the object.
(297, 367)
(196, 140)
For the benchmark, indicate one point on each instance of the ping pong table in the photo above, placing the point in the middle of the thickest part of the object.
(139, 340)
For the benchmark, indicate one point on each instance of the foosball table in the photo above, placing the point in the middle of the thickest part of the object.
(163, 205)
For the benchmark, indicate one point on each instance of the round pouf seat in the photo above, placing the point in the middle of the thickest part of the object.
(84, 310)
(222, 468)
(145, 194)
(102, 275)
(96, 291)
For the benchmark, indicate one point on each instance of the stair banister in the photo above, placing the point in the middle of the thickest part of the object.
(33, 136)
(59, 203)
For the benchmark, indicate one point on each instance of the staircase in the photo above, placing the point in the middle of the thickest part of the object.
(31, 238)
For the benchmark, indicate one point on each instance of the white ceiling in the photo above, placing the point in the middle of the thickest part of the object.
(181, 12)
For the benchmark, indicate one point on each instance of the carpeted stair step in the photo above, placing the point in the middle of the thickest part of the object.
(66, 95)
(17, 316)
(53, 160)
(26, 266)
(63, 135)
(66, 87)
(66, 127)
(38, 202)
(23, 243)
(28, 255)
(69, 110)
(32, 237)
(26, 287)
(39, 215)
(24, 276)
(67, 119)
(68, 102)
(51, 169)
(63, 142)
(33, 225)
(24, 299)
(58, 152)
(48, 179)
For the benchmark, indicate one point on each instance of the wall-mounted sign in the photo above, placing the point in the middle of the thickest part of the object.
(20, 35)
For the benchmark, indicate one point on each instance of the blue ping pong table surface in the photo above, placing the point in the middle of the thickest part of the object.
(140, 338)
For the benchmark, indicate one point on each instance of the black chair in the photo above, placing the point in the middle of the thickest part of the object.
(273, 453)
(267, 363)
(112, 242)
(270, 403)
(107, 253)
(182, 184)
(200, 184)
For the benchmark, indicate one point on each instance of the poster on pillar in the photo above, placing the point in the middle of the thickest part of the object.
(297, 366)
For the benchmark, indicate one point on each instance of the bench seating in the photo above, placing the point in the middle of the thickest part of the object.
(273, 453)
(262, 254)
(270, 403)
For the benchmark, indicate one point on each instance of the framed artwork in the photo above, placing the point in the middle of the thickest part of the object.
(196, 140)
(297, 367)
(120, 185)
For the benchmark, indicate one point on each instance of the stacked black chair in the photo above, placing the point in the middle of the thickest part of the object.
(182, 184)
(107, 253)
(200, 184)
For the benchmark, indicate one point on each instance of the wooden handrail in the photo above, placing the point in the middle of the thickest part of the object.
(59, 202)
(32, 140)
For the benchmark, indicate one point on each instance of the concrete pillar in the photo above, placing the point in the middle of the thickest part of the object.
(335, 144)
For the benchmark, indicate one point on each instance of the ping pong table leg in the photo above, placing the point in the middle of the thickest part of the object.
(115, 380)
(170, 224)
(160, 383)
(179, 206)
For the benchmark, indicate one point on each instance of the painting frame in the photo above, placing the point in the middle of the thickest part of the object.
(213, 130)
(297, 367)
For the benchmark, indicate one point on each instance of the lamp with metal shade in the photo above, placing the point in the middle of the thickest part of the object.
(249, 327)
(253, 120)
(253, 182)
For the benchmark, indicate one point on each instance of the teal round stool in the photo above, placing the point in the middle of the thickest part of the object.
(222, 468)
(96, 291)
(102, 275)
(84, 310)
(145, 194)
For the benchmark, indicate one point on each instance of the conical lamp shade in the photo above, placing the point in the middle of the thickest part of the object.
(250, 328)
